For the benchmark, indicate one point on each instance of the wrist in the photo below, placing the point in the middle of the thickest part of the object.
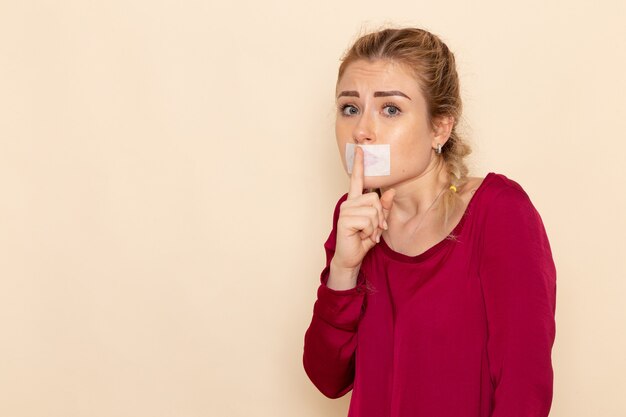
(342, 278)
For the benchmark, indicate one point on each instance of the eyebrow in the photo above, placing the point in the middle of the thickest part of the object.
(390, 93)
(348, 94)
(376, 94)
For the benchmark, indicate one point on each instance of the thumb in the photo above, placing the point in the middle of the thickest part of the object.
(386, 200)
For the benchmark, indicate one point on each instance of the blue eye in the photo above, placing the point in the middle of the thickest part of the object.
(390, 110)
(349, 110)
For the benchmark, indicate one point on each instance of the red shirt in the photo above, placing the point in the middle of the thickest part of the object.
(464, 329)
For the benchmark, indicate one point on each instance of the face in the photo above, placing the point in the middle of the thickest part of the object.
(380, 102)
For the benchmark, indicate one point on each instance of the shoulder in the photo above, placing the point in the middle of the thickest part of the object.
(498, 189)
(499, 182)
(510, 225)
(506, 205)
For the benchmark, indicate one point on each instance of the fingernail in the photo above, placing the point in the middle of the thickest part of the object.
(378, 239)
(385, 226)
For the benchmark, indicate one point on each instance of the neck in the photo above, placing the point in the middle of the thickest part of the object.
(414, 196)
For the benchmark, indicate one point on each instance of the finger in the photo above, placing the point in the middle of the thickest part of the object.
(386, 201)
(371, 230)
(360, 225)
(367, 200)
(375, 237)
(370, 238)
(368, 243)
(356, 179)
(363, 211)
(378, 234)
(375, 202)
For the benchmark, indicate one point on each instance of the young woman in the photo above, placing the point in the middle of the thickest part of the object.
(438, 295)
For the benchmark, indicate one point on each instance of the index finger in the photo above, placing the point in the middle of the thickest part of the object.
(356, 179)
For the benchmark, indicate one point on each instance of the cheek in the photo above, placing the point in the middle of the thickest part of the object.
(410, 157)
(340, 121)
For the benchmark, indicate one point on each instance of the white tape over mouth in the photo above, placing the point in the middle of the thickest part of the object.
(376, 159)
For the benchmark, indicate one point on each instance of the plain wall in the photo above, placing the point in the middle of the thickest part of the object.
(168, 172)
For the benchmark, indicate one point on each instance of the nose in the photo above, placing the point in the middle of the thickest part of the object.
(364, 130)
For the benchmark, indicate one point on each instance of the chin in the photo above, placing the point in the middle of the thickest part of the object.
(377, 182)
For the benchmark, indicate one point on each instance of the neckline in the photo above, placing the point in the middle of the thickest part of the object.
(442, 243)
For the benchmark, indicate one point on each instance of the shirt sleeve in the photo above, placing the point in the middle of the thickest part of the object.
(518, 280)
(330, 340)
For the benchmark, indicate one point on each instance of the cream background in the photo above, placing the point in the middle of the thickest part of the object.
(168, 173)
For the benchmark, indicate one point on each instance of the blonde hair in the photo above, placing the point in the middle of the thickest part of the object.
(435, 70)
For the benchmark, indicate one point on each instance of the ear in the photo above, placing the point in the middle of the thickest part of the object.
(442, 129)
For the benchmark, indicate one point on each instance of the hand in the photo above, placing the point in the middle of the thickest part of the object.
(362, 219)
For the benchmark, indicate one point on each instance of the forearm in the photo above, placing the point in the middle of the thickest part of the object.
(330, 341)
(329, 357)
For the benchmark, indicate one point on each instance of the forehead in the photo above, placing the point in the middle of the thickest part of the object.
(379, 75)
